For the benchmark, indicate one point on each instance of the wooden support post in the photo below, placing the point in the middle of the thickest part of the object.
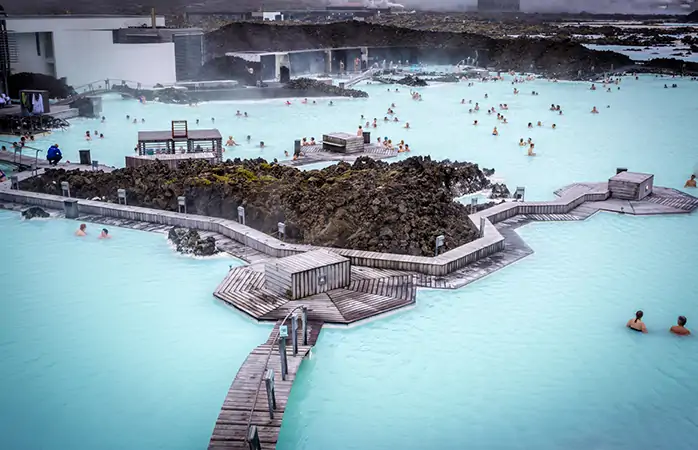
(282, 354)
(253, 438)
(294, 333)
(482, 226)
(182, 204)
(70, 206)
(121, 194)
(304, 318)
(271, 393)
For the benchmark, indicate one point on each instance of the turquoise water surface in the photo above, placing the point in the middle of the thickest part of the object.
(536, 356)
(647, 128)
(113, 344)
(119, 344)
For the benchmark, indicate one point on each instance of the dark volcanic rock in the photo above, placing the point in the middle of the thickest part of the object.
(33, 212)
(671, 65)
(562, 58)
(189, 241)
(412, 81)
(500, 190)
(24, 80)
(693, 17)
(315, 86)
(368, 205)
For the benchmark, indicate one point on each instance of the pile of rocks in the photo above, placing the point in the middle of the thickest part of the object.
(318, 87)
(188, 241)
(368, 205)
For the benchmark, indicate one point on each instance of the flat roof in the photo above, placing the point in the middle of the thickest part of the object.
(308, 261)
(199, 135)
(634, 177)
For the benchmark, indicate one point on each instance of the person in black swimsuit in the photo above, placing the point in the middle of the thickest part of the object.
(637, 324)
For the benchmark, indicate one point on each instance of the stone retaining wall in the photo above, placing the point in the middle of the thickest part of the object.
(450, 261)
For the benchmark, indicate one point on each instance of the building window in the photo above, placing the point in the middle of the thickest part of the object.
(48, 45)
(38, 43)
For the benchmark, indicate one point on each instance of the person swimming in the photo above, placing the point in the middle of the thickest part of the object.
(554, 126)
(261, 144)
(407, 124)
(530, 150)
(540, 124)
(680, 327)
(331, 103)
(360, 131)
(475, 123)
(530, 125)
(637, 324)
(238, 113)
(104, 119)
(312, 141)
(249, 138)
(305, 101)
(691, 182)
(594, 110)
(288, 103)
(101, 136)
(87, 136)
(395, 120)
(104, 234)
(495, 132)
(230, 142)
(81, 231)
(522, 143)
(477, 106)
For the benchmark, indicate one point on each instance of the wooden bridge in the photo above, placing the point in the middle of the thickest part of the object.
(246, 407)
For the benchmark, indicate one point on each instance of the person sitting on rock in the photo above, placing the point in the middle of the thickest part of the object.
(691, 182)
(54, 155)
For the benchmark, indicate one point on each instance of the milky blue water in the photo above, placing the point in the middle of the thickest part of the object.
(536, 356)
(646, 128)
(119, 344)
(113, 344)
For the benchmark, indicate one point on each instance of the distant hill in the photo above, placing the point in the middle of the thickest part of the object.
(693, 17)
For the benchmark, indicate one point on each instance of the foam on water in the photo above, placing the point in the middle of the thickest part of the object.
(535, 356)
(111, 344)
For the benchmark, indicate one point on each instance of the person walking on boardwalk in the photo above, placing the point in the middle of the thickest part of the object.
(637, 324)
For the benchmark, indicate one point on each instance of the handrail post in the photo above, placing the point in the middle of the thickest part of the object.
(282, 355)
(271, 392)
(294, 333)
(304, 323)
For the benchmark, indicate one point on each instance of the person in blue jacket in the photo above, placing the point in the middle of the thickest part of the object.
(54, 155)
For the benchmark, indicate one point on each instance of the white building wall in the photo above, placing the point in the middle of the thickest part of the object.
(84, 51)
(86, 56)
(28, 59)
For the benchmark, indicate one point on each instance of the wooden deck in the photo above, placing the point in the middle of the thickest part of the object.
(365, 297)
(315, 154)
(246, 402)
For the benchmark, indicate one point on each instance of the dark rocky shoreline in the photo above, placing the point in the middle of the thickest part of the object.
(559, 58)
(369, 205)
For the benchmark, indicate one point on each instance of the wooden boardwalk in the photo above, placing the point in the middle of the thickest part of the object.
(365, 297)
(246, 402)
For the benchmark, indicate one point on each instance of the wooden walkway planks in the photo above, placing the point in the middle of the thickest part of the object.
(246, 400)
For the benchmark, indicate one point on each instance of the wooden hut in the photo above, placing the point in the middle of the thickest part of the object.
(630, 185)
(307, 274)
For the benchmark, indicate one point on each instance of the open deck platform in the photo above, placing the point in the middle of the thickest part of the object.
(244, 288)
(311, 154)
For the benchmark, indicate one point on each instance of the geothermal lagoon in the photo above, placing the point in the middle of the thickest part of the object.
(118, 344)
